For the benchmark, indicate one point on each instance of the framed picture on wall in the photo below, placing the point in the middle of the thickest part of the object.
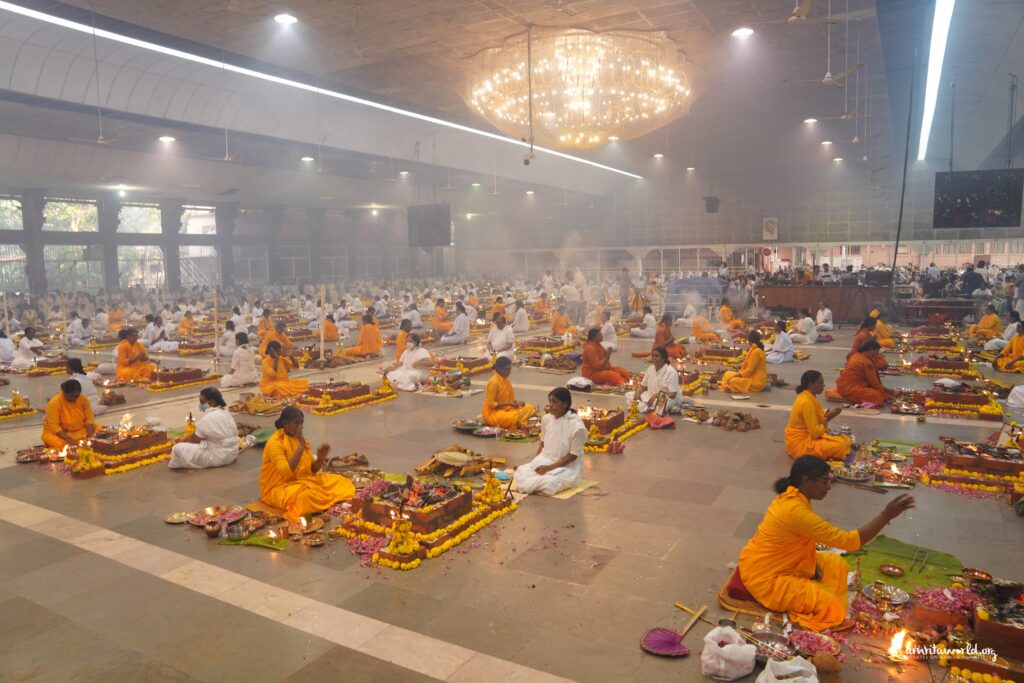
(769, 229)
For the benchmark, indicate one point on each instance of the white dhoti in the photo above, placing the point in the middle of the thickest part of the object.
(452, 339)
(164, 346)
(642, 332)
(802, 338)
(107, 368)
(824, 327)
(779, 356)
(237, 380)
(407, 380)
(97, 407)
(997, 344)
(219, 445)
(528, 481)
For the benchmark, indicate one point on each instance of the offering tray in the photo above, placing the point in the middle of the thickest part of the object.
(487, 432)
(769, 645)
(467, 425)
(857, 474)
(811, 643)
(297, 529)
(178, 517)
(224, 514)
(907, 408)
(885, 593)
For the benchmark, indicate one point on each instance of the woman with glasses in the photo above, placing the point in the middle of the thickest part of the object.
(807, 429)
(780, 567)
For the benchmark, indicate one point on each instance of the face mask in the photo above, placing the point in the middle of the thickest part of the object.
(203, 407)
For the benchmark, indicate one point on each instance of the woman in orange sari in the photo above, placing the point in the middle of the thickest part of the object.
(865, 333)
(807, 430)
(540, 306)
(276, 335)
(560, 323)
(859, 381)
(186, 324)
(115, 319)
(331, 333)
(369, 343)
(663, 337)
(728, 319)
(69, 417)
(266, 325)
(132, 361)
(441, 323)
(781, 566)
(501, 409)
(700, 328)
(1012, 357)
(596, 366)
(274, 381)
(753, 374)
(290, 477)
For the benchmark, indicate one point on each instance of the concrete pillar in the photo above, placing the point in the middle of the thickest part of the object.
(109, 211)
(226, 216)
(171, 213)
(317, 220)
(32, 204)
(273, 217)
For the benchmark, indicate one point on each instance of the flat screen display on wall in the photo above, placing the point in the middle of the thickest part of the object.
(430, 225)
(979, 199)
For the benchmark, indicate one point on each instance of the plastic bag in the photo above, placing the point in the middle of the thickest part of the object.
(726, 656)
(796, 670)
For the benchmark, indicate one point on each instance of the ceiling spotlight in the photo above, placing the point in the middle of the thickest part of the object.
(826, 142)
(690, 168)
(166, 139)
(658, 155)
(475, 185)
(375, 212)
(121, 193)
(403, 173)
(613, 138)
(307, 159)
(285, 19)
(469, 216)
(810, 120)
(529, 192)
(743, 32)
(837, 159)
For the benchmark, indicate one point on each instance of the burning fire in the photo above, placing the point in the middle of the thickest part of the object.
(900, 643)
(302, 520)
(125, 426)
(271, 533)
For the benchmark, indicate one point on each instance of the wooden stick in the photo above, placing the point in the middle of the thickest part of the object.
(693, 620)
(323, 308)
(7, 317)
(692, 612)
(216, 331)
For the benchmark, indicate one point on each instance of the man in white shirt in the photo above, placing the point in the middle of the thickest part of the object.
(501, 339)
(521, 319)
(547, 283)
(649, 328)
(933, 271)
(459, 334)
(806, 331)
(581, 284)
(824, 318)
(471, 311)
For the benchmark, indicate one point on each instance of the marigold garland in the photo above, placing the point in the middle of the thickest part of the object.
(158, 386)
(13, 415)
(618, 434)
(351, 404)
(139, 463)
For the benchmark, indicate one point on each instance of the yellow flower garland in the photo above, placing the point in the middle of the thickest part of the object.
(158, 386)
(24, 413)
(194, 352)
(618, 434)
(351, 404)
(139, 463)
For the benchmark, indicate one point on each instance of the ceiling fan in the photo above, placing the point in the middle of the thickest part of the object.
(800, 12)
(560, 6)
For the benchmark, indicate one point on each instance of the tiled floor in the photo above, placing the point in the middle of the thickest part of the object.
(94, 585)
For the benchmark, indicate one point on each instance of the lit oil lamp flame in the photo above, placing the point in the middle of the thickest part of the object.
(271, 533)
(898, 645)
(302, 521)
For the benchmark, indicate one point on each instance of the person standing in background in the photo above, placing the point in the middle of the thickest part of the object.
(625, 283)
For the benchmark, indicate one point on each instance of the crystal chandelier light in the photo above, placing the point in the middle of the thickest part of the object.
(583, 87)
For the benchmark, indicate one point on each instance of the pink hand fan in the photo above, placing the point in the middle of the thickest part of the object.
(668, 643)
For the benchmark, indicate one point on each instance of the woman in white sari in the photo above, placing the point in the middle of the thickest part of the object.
(660, 377)
(558, 464)
(414, 367)
(648, 328)
(782, 348)
(215, 441)
(806, 331)
(243, 365)
(226, 346)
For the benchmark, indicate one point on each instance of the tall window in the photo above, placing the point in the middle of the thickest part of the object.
(70, 216)
(198, 220)
(12, 268)
(71, 267)
(334, 263)
(250, 264)
(141, 265)
(199, 266)
(139, 219)
(294, 263)
(10, 214)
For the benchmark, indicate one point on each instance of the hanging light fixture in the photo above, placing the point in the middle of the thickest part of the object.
(579, 89)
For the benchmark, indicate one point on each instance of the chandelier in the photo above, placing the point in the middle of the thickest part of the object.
(575, 88)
